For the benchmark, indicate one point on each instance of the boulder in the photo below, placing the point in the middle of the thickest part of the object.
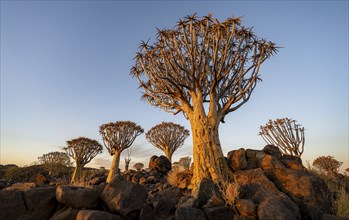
(293, 162)
(190, 202)
(66, 213)
(270, 163)
(124, 197)
(218, 213)
(41, 202)
(77, 197)
(21, 186)
(272, 208)
(254, 157)
(246, 208)
(237, 160)
(12, 205)
(187, 213)
(205, 191)
(152, 162)
(164, 206)
(259, 188)
(308, 191)
(147, 213)
(162, 164)
(172, 193)
(96, 215)
(273, 151)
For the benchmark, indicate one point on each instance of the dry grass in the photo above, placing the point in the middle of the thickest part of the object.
(174, 177)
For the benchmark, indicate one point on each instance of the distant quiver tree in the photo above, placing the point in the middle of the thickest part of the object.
(82, 150)
(327, 164)
(118, 136)
(128, 159)
(286, 134)
(138, 166)
(55, 162)
(205, 69)
(168, 137)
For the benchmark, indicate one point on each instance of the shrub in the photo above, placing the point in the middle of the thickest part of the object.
(138, 166)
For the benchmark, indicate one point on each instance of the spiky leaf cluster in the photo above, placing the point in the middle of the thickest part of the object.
(83, 149)
(119, 135)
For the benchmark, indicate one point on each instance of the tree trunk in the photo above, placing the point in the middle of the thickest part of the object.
(114, 166)
(168, 154)
(77, 173)
(127, 163)
(209, 161)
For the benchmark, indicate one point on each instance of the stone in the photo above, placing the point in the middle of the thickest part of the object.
(191, 203)
(254, 158)
(164, 206)
(152, 162)
(77, 197)
(147, 213)
(271, 208)
(124, 197)
(205, 191)
(66, 213)
(172, 192)
(21, 186)
(333, 217)
(309, 192)
(218, 213)
(269, 163)
(187, 213)
(293, 162)
(41, 179)
(12, 205)
(214, 201)
(246, 208)
(259, 188)
(162, 164)
(96, 215)
(237, 160)
(273, 151)
(41, 203)
(98, 180)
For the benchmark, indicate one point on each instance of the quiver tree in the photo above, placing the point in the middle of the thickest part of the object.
(205, 69)
(117, 136)
(185, 162)
(327, 164)
(55, 162)
(286, 134)
(168, 137)
(128, 159)
(82, 150)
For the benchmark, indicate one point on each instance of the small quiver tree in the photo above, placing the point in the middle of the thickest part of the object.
(286, 134)
(82, 150)
(205, 69)
(327, 164)
(138, 166)
(118, 136)
(128, 159)
(55, 162)
(168, 137)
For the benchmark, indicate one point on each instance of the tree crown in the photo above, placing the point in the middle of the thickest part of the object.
(201, 60)
(119, 135)
(83, 149)
(327, 164)
(167, 136)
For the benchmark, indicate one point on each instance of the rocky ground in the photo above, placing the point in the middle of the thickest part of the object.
(266, 185)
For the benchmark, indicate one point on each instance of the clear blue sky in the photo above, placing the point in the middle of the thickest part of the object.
(65, 71)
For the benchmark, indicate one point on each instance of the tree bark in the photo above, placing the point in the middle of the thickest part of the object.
(76, 173)
(209, 161)
(114, 166)
(168, 154)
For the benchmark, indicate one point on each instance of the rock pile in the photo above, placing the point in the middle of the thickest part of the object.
(267, 185)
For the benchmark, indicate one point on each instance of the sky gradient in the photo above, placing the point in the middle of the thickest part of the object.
(65, 71)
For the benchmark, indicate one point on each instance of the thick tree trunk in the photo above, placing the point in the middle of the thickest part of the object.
(168, 154)
(114, 166)
(76, 174)
(209, 161)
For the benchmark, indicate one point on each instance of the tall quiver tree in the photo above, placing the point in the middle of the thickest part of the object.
(202, 61)
(168, 137)
(128, 159)
(82, 150)
(118, 136)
